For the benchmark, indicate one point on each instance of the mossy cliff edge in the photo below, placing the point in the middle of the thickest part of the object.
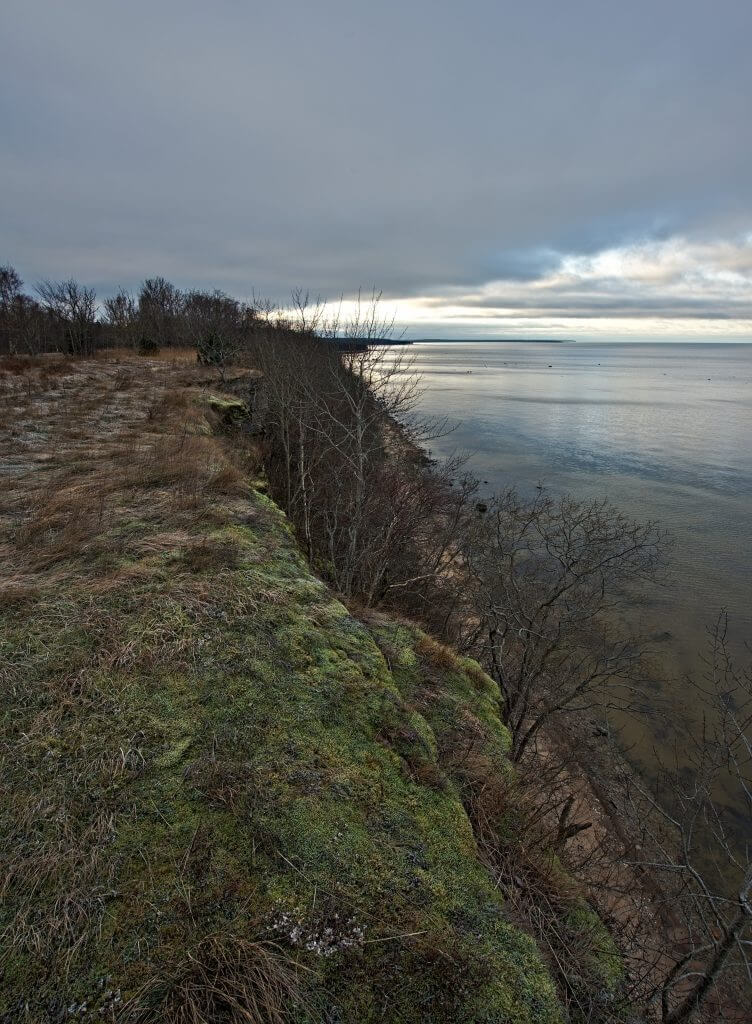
(217, 784)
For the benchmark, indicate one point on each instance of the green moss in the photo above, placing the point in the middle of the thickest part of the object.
(231, 411)
(458, 700)
(175, 754)
(459, 704)
(602, 957)
(234, 754)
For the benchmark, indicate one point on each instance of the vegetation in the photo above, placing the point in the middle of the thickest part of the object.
(549, 577)
(252, 767)
(219, 801)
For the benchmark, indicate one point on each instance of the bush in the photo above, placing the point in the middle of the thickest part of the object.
(210, 350)
(147, 346)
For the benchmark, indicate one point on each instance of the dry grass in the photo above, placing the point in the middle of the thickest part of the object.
(439, 655)
(102, 441)
(224, 979)
(15, 594)
(209, 554)
(515, 829)
(97, 489)
(179, 697)
(178, 355)
(48, 365)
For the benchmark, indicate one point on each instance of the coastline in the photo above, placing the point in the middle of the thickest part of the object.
(599, 776)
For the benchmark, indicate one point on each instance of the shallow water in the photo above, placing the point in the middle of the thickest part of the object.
(664, 430)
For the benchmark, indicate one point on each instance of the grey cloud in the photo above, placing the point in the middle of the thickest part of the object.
(425, 147)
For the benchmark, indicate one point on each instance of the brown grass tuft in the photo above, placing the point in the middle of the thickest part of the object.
(227, 979)
(16, 595)
(437, 654)
(119, 353)
(49, 364)
(477, 675)
(209, 554)
(228, 479)
(426, 773)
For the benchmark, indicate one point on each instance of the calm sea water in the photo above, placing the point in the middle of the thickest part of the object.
(664, 430)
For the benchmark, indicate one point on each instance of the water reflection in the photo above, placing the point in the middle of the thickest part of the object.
(664, 430)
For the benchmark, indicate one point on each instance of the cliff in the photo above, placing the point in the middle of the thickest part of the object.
(224, 797)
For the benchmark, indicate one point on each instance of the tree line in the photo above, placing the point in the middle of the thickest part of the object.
(66, 316)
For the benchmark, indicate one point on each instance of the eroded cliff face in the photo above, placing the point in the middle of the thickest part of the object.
(222, 794)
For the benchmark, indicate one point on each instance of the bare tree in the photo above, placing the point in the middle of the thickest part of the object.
(216, 324)
(366, 395)
(10, 287)
(549, 579)
(291, 368)
(31, 327)
(25, 327)
(10, 294)
(121, 314)
(74, 307)
(696, 835)
(159, 309)
(307, 317)
(343, 457)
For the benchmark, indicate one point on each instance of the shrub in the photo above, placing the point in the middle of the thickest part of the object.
(210, 350)
(147, 346)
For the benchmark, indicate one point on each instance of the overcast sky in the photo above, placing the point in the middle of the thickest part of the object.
(538, 168)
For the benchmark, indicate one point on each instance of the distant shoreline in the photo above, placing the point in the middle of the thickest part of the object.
(491, 341)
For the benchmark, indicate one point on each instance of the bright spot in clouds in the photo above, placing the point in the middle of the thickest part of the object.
(672, 288)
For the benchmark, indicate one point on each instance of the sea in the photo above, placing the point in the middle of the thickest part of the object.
(664, 430)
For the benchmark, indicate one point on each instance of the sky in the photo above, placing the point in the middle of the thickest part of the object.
(495, 169)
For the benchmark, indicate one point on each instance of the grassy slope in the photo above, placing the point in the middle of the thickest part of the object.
(215, 786)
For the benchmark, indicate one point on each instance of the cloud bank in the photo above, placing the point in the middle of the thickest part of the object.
(672, 288)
